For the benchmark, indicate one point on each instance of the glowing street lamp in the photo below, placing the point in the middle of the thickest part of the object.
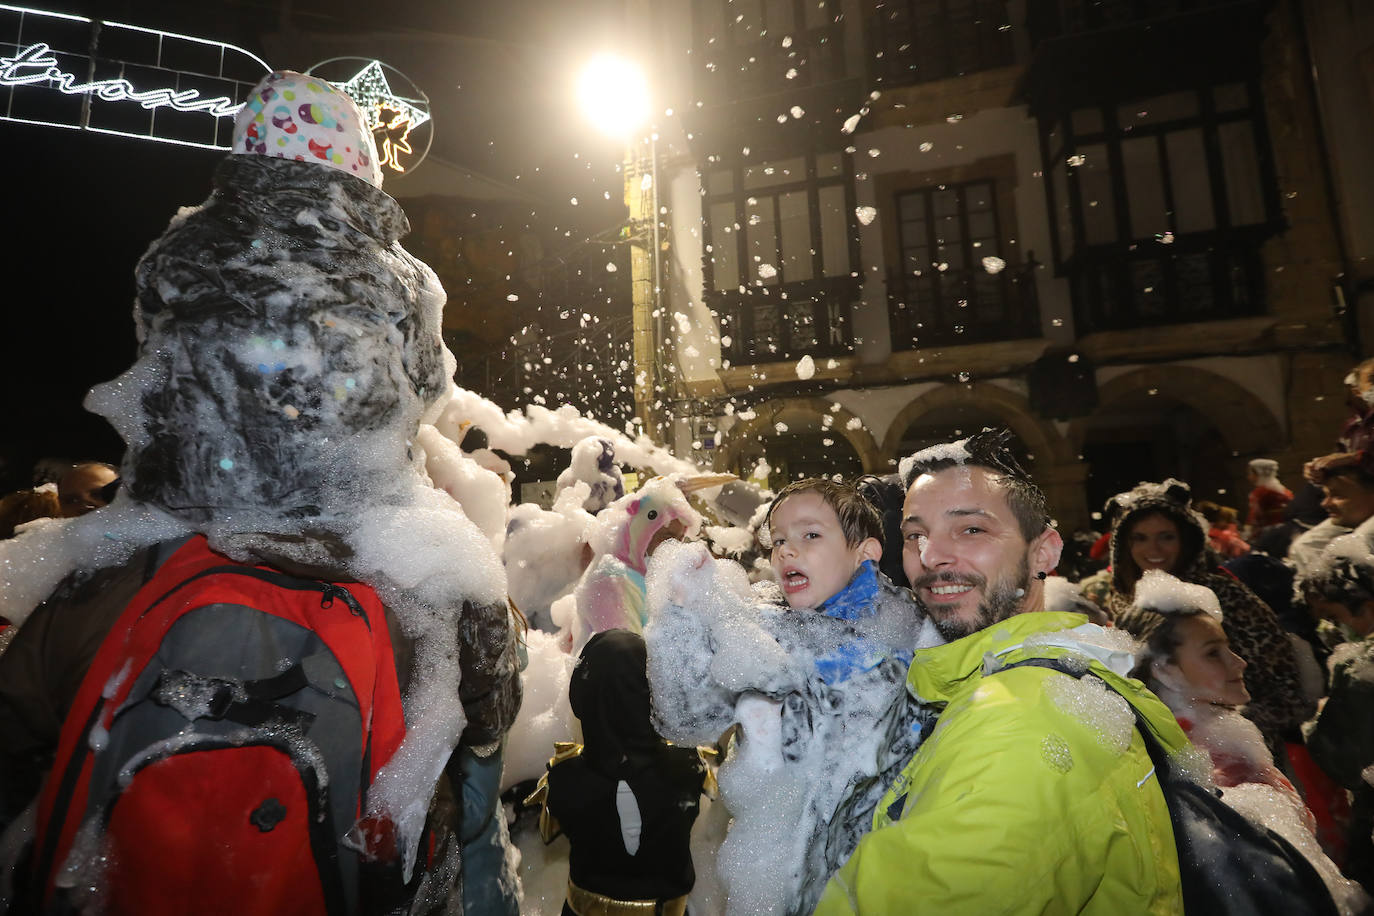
(614, 96)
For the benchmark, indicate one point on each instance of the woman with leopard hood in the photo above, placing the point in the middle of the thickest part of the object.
(1156, 527)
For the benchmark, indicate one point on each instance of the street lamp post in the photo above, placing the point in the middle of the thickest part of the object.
(614, 94)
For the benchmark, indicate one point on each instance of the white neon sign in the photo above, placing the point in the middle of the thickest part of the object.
(200, 102)
(16, 71)
(33, 73)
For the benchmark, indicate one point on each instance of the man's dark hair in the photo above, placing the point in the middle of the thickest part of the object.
(1342, 579)
(989, 450)
(858, 519)
(1361, 473)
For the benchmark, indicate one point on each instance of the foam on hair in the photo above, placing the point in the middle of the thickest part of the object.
(1164, 594)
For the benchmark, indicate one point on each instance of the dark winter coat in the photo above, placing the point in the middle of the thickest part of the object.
(609, 694)
(1277, 702)
(1341, 740)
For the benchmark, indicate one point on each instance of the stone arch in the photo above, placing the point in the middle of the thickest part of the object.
(1244, 421)
(1057, 469)
(1168, 420)
(770, 412)
(1039, 436)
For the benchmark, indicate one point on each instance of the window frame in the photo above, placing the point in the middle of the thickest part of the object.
(1016, 279)
(820, 300)
(1108, 277)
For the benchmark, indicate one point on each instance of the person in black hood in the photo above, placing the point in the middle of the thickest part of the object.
(625, 798)
(1156, 527)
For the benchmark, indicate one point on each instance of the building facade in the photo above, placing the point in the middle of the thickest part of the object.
(1123, 229)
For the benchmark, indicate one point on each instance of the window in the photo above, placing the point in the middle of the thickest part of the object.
(916, 41)
(757, 47)
(943, 291)
(1160, 205)
(781, 259)
(789, 223)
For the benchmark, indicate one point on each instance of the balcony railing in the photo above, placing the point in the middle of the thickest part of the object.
(963, 306)
(1056, 18)
(1191, 278)
(814, 319)
(812, 57)
(917, 41)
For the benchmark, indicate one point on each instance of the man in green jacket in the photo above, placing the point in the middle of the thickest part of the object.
(1034, 793)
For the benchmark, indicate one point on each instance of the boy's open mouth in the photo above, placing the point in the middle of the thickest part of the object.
(794, 580)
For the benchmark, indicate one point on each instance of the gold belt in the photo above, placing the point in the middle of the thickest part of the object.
(585, 903)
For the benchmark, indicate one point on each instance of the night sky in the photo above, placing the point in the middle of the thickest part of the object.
(81, 208)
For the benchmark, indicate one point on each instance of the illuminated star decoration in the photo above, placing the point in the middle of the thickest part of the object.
(385, 111)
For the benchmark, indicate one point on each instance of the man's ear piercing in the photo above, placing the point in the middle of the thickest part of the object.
(1041, 575)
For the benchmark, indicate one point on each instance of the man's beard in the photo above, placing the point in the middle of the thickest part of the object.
(1000, 601)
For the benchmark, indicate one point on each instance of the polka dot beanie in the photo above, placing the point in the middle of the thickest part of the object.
(291, 115)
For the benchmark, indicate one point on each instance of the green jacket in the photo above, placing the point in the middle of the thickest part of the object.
(1034, 793)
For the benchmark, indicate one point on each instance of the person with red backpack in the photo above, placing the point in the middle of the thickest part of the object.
(243, 697)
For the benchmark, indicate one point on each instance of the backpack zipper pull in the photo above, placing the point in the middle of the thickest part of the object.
(331, 591)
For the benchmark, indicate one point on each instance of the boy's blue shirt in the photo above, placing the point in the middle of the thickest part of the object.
(857, 600)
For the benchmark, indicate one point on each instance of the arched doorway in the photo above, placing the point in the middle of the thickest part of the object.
(804, 449)
(1175, 421)
(798, 437)
(1150, 437)
(956, 421)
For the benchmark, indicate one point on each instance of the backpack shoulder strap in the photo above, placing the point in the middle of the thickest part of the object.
(1158, 755)
(1223, 884)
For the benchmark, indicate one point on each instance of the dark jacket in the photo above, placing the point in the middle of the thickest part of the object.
(1341, 740)
(609, 694)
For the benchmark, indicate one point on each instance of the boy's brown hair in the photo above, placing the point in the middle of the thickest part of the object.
(859, 520)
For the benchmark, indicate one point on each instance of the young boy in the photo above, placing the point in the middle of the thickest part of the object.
(816, 688)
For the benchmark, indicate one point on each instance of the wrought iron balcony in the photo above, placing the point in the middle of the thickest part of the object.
(1056, 18)
(918, 41)
(942, 308)
(1202, 277)
(764, 328)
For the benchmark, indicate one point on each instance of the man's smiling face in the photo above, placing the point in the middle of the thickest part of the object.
(963, 551)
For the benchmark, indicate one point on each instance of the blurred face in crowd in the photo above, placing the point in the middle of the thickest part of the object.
(1348, 502)
(1205, 663)
(964, 554)
(79, 489)
(1358, 620)
(1154, 542)
(810, 556)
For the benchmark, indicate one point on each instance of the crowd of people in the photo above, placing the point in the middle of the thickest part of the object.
(271, 663)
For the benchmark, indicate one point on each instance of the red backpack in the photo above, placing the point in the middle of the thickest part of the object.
(221, 746)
